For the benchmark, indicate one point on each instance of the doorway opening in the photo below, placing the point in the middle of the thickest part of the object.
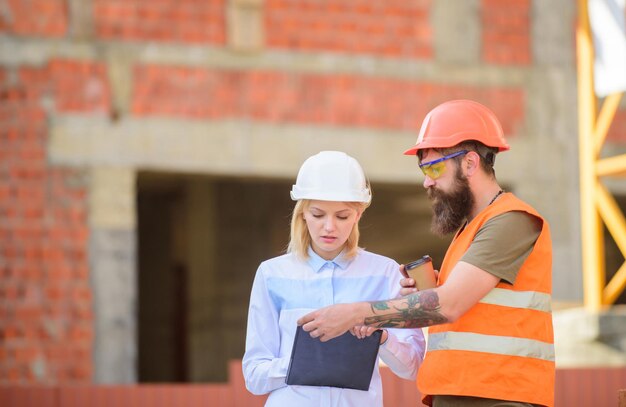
(200, 241)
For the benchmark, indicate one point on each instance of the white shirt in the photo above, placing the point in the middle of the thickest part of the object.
(286, 288)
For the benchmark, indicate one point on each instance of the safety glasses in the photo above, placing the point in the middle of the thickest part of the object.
(435, 169)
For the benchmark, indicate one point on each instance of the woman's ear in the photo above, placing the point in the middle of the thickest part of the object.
(358, 215)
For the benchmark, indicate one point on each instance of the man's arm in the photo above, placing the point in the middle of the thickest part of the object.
(466, 285)
(413, 311)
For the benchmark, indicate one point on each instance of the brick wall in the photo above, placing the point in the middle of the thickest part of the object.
(188, 21)
(390, 28)
(337, 100)
(46, 320)
(47, 18)
(506, 32)
(46, 329)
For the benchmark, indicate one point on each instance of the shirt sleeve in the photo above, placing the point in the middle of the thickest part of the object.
(403, 352)
(404, 349)
(263, 370)
(503, 243)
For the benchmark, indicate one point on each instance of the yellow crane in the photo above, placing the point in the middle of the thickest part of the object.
(597, 205)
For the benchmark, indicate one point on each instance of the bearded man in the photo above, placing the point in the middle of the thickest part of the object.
(490, 339)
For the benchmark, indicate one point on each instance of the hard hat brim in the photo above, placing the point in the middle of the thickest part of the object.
(363, 196)
(425, 145)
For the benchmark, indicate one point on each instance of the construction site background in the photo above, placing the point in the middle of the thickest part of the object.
(147, 148)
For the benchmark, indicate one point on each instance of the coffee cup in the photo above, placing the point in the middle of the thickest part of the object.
(422, 272)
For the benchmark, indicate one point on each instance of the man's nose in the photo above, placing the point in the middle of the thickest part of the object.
(428, 182)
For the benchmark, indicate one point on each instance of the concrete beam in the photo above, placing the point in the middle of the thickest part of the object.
(16, 52)
(224, 147)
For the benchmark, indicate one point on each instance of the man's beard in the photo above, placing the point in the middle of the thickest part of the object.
(451, 209)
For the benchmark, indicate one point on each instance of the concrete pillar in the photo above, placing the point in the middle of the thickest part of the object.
(81, 19)
(112, 257)
(457, 22)
(245, 25)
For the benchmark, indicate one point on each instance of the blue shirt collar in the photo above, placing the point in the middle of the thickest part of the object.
(316, 262)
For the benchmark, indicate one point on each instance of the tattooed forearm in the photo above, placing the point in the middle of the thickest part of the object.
(413, 311)
(379, 305)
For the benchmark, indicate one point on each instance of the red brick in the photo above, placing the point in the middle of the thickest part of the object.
(60, 234)
(50, 253)
(76, 214)
(81, 372)
(60, 273)
(80, 272)
(506, 32)
(56, 352)
(11, 332)
(46, 18)
(29, 195)
(37, 79)
(14, 374)
(79, 235)
(80, 334)
(32, 272)
(25, 355)
(27, 246)
(55, 292)
(55, 311)
(80, 86)
(82, 313)
(81, 295)
(12, 293)
(5, 193)
(165, 20)
(341, 100)
(31, 213)
(392, 28)
(29, 314)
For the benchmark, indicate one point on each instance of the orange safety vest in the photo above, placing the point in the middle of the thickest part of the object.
(503, 347)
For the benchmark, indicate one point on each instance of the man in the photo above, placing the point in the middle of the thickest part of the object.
(490, 337)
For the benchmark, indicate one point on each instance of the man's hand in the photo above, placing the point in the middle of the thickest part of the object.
(329, 322)
(408, 284)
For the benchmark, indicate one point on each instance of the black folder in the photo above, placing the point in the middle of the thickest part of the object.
(345, 361)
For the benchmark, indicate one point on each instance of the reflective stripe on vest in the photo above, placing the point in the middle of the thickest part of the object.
(519, 299)
(502, 345)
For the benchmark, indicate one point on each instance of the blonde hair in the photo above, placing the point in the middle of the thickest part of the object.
(300, 239)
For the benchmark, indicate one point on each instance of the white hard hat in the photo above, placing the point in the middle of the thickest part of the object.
(331, 176)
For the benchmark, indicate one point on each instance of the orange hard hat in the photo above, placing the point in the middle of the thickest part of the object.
(456, 121)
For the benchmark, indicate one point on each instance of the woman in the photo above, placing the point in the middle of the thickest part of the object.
(323, 266)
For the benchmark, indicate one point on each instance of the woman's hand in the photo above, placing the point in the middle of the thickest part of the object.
(362, 331)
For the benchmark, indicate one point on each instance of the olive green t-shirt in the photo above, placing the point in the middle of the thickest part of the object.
(503, 243)
(500, 247)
